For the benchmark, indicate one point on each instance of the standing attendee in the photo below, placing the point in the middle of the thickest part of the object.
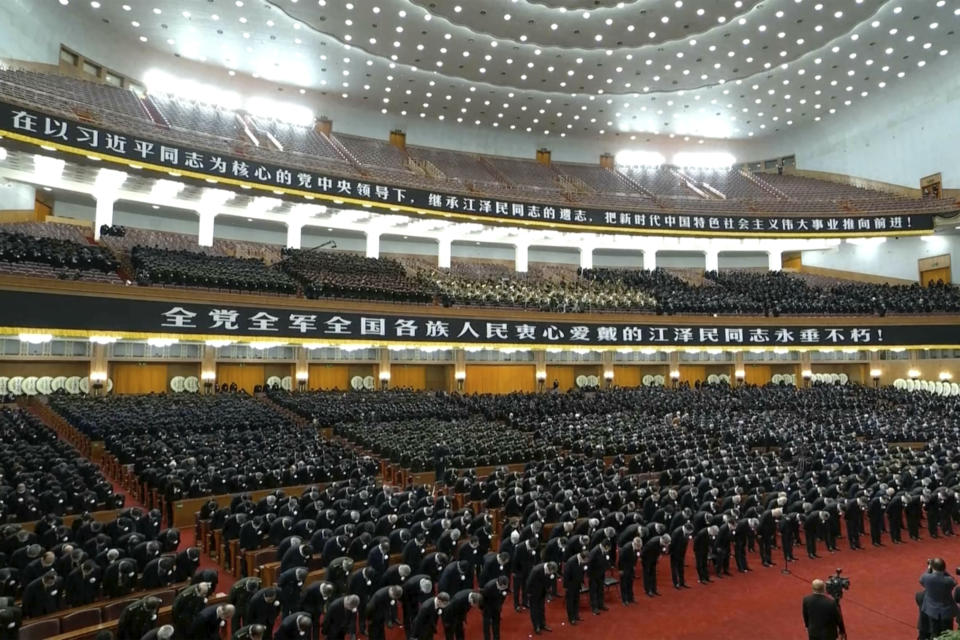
(821, 615)
(627, 565)
(454, 615)
(494, 593)
(377, 612)
(424, 625)
(938, 601)
(649, 555)
(597, 565)
(538, 582)
(573, 572)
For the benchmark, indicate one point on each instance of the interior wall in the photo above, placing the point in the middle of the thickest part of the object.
(500, 378)
(139, 377)
(245, 375)
(893, 258)
(760, 374)
(338, 376)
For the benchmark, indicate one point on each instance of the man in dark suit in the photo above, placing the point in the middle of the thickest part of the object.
(938, 602)
(573, 572)
(821, 615)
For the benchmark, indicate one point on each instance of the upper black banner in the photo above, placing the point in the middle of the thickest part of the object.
(87, 138)
(26, 310)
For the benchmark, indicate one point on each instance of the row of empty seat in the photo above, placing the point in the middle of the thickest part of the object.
(670, 188)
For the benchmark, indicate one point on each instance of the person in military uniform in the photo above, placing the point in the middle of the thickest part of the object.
(187, 605)
(240, 594)
(138, 618)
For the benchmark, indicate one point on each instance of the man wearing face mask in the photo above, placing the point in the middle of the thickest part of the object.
(10, 619)
(537, 584)
(494, 594)
(395, 575)
(290, 582)
(158, 573)
(250, 632)
(296, 556)
(362, 584)
(340, 618)
(455, 577)
(138, 618)
(702, 544)
(210, 621)
(314, 601)
(187, 605)
(417, 589)
(454, 615)
(294, 627)
(43, 595)
(119, 578)
(379, 557)
(597, 565)
(525, 556)
(377, 610)
(649, 555)
(263, 609)
(425, 623)
(573, 572)
(240, 594)
(162, 633)
(627, 565)
(187, 562)
(82, 585)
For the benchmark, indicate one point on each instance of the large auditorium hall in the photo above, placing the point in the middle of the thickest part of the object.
(412, 319)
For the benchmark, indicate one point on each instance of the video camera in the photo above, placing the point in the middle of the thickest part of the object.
(837, 584)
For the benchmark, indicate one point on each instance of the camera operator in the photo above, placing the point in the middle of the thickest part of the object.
(938, 603)
(821, 615)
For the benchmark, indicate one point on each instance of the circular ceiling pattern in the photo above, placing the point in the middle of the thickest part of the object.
(693, 68)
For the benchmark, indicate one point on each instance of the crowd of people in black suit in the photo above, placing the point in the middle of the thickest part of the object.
(43, 475)
(189, 446)
(60, 254)
(732, 474)
(52, 566)
(326, 274)
(194, 269)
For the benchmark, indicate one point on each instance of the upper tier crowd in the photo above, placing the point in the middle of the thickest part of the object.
(562, 289)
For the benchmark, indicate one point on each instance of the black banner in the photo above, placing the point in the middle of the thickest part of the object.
(87, 138)
(50, 312)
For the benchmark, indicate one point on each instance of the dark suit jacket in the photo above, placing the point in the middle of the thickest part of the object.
(821, 617)
(938, 595)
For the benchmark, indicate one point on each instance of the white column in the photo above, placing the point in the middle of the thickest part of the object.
(373, 245)
(649, 259)
(205, 231)
(712, 260)
(294, 232)
(104, 212)
(523, 252)
(774, 260)
(586, 257)
(444, 249)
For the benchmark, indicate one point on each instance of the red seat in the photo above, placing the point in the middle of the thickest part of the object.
(79, 619)
(39, 630)
(113, 610)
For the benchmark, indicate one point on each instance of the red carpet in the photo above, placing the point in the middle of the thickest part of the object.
(754, 606)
